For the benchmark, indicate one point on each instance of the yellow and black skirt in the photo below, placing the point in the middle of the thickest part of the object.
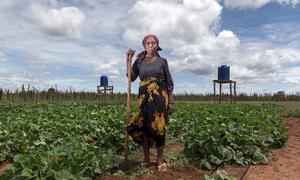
(151, 117)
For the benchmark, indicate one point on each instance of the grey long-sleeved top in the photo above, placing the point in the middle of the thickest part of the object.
(158, 68)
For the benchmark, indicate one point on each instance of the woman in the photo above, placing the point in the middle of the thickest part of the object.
(155, 100)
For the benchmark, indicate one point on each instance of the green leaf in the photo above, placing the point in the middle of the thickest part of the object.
(206, 165)
(63, 175)
(26, 173)
(41, 142)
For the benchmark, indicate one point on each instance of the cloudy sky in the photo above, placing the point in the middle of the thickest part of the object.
(73, 42)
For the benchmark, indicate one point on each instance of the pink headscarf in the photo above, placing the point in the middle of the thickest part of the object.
(142, 54)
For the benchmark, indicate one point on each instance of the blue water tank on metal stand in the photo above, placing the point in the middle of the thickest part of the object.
(104, 87)
(224, 78)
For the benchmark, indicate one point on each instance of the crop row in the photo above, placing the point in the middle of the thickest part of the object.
(234, 134)
(56, 140)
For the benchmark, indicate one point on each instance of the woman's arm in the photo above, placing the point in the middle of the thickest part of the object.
(170, 83)
(134, 71)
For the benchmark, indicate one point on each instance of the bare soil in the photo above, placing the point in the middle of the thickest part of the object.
(4, 164)
(284, 163)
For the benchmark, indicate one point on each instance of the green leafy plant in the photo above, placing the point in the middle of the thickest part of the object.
(235, 134)
(220, 175)
(56, 140)
(295, 113)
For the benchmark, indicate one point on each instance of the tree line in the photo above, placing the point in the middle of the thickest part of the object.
(52, 94)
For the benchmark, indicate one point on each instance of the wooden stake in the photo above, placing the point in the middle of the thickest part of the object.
(128, 61)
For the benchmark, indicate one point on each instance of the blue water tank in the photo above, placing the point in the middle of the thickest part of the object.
(103, 81)
(224, 72)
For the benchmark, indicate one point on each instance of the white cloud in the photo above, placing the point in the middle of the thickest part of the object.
(190, 87)
(256, 3)
(187, 31)
(292, 75)
(264, 65)
(65, 21)
(5, 3)
(282, 33)
(292, 2)
(174, 23)
(36, 64)
(110, 69)
(14, 78)
(2, 57)
(245, 3)
(99, 50)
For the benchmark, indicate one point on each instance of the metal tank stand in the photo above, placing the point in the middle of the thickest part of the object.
(105, 89)
(232, 97)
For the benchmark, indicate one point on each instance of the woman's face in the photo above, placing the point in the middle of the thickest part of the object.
(151, 46)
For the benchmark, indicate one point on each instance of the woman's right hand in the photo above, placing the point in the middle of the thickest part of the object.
(129, 54)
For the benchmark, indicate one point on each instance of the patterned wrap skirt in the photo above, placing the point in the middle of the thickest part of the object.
(151, 117)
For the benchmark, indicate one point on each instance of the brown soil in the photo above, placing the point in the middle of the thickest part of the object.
(151, 173)
(4, 164)
(284, 163)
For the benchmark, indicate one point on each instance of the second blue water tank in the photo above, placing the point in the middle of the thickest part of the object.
(224, 72)
(103, 81)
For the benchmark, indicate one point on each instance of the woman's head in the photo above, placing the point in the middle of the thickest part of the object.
(151, 44)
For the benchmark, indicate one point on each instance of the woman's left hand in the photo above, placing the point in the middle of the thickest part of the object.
(170, 108)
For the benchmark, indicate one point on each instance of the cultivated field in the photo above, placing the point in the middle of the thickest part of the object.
(76, 140)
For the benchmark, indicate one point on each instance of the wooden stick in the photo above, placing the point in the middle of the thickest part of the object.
(128, 60)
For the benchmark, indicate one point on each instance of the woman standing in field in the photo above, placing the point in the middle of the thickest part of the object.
(155, 100)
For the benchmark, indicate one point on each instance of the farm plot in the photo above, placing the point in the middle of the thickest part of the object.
(235, 134)
(83, 140)
(57, 140)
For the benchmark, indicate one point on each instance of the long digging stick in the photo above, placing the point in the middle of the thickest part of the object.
(128, 60)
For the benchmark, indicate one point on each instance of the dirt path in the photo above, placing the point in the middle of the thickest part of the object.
(151, 173)
(284, 163)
